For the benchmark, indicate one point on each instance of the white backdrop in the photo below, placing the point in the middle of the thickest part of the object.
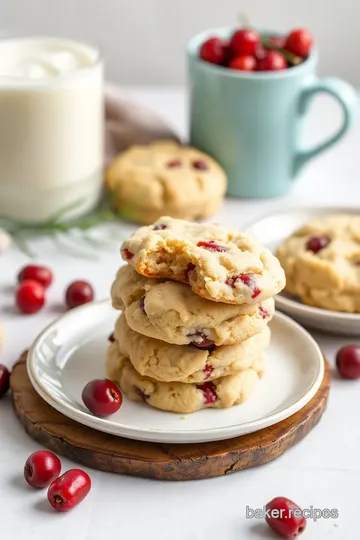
(143, 40)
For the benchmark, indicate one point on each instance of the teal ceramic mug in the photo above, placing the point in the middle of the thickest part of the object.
(251, 122)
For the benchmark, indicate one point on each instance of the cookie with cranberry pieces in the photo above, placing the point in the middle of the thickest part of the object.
(172, 312)
(180, 397)
(148, 181)
(321, 260)
(191, 364)
(219, 264)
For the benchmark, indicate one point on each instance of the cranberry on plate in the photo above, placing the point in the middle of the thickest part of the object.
(41, 468)
(102, 397)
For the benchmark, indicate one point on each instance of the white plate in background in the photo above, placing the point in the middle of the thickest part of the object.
(72, 351)
(270, 231)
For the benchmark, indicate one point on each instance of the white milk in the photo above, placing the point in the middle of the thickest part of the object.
(51, 128)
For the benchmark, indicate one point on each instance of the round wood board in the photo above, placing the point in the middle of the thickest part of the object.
(153, 460)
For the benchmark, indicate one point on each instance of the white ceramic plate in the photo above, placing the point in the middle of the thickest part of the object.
(71, 351)
(270, 231)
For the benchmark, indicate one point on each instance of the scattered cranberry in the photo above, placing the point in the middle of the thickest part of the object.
(348, 362)
(273, 61)
(4, 380)
(201, 341)
(209, 392)
(244, 41)
(142, 394)
(69, 490)
(299, 42)
(317, 243)
(190, 268)
(175, 163)
(263, 313)
(79, 293)
(199, 164)
(41, 274)
(127, 254)
(244, 62)
(41, 468)
(281, 519)
(160, 227)
(208, 369)
(211, 245)
(102, 397)
(30, 296)
(213, 50)
(111, 338)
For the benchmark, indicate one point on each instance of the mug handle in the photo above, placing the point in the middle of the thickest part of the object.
(345, 94)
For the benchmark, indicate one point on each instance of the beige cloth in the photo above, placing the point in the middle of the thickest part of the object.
(127, 123)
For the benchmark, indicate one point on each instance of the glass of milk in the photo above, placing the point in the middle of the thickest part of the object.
(51, 128)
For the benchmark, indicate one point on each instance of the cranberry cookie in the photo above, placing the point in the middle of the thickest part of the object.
(322, 263)
(219, 264)
(180, 397)
(146, 182)
(170, 311)
(165, 362)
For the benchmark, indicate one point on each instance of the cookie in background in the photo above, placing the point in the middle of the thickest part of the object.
(164, 178)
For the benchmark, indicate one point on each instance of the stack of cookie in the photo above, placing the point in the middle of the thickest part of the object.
(196, 300)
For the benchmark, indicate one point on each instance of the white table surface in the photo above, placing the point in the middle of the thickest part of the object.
(322, 471)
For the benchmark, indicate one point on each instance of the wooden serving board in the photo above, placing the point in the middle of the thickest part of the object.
(154, 460)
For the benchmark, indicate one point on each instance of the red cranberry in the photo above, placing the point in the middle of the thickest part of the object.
(160, 227)
(208, 369)
(299, 42)
(248, 280)
(140, 393)
(127, 255)
(285, 517)
(209, 392)
(4, 380)
(41, 274)
(213, 50)
(30, 296)
(69, 490)
(102, 397)
(263, 313)
(201, 341)
(41, 468)
(190, 267)
(244, 41)
(273, 61)
(348, 362)
(200, 164)
(211, 245)
(111, 338)
(317, 243)
(244, 62)
(174, 164)
(79, 293)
